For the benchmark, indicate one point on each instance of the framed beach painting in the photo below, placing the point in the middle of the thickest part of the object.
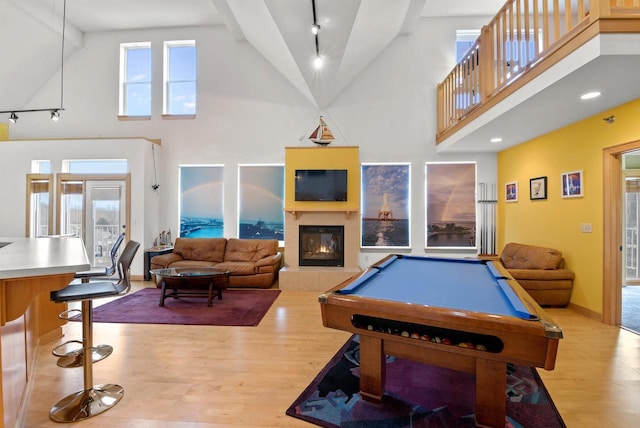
(201, 201)
(511, 191)
(385, 200)
(261, 202)
(572, 184)
(450, 205)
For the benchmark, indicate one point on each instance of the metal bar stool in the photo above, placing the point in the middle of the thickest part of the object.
(93, 399)
(75, 357)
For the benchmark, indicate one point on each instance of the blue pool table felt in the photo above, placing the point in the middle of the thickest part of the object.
(464, 284)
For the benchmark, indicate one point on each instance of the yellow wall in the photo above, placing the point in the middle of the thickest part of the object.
(4, 132)
(323, 158)
(555, 222)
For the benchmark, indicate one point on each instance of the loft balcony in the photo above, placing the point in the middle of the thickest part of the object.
(524, 74)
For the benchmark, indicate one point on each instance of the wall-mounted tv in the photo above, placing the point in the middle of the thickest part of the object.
(321, 185)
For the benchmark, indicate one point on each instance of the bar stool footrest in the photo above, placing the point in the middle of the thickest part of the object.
(86, 403)
(70, 314)
(76, 359)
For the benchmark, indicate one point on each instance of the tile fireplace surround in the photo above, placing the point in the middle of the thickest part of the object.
(319, 278)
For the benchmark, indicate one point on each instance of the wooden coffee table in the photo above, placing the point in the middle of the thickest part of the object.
(192, 282)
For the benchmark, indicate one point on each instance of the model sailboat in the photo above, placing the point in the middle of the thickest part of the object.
(322, 134)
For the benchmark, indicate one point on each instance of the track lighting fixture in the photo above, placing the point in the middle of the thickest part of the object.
(55, 112)
(315, 28)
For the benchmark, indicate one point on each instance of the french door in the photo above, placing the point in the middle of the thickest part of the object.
(94, 208)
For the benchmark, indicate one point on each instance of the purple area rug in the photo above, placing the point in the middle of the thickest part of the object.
(237, 308)
(417, 395)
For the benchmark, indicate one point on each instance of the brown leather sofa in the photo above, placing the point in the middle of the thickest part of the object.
(252, 262)
(540, 271)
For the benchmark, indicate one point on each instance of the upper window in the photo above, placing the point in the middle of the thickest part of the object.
(464, 40)
(41, 167)
(180, 77)
(95, 166)
(135, 79)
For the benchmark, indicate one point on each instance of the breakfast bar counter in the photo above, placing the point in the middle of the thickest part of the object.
(29, 269)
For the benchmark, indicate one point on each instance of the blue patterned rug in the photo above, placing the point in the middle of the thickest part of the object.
(417, 395)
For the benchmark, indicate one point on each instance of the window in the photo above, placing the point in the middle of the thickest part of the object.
(41, 167)
(39, 205)
(99, 166)
(135, 79)
(180, 77)
(464, 40)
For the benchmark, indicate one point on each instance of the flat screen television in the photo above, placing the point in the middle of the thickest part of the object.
(321, 185)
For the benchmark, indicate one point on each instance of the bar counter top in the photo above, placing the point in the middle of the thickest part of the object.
(26, 257)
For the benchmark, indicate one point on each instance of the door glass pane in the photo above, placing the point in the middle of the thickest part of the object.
(632, 256)
(105, 218)
(71, 208)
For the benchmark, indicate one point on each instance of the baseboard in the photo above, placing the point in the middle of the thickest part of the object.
(586, 312)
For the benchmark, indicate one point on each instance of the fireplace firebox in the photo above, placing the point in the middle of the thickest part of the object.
(321, 246)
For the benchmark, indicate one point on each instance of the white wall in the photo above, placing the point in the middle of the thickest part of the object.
(248, 113)
(15, 162)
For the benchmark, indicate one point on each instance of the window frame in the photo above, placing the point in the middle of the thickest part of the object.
(122, 98)
(166, 82)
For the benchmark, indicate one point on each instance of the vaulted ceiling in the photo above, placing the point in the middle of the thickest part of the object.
(353, 33)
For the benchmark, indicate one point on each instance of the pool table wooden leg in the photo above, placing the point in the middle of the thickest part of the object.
(372, 369)
(491, 386)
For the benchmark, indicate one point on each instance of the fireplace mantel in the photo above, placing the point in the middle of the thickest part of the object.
(297, 212)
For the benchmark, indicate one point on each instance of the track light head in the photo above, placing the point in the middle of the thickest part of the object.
(13, 117)
(55, 115)
(318, 62)
(610, 120)
(315, 28)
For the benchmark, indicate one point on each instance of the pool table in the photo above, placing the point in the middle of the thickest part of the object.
(462, 314)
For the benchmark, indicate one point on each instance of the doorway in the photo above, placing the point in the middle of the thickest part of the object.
(630, 303)
(94, 208)
(614, 248)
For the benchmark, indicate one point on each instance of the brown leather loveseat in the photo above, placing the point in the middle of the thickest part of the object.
(540, 271)
(252, 262)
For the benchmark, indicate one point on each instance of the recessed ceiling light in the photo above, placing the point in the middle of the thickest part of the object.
(590, 95)
(496, 140)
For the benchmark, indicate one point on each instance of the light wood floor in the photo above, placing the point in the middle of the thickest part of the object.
(203, 376)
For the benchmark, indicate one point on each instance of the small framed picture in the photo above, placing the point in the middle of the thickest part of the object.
(538, 188)
(572, 184)
(511, 191)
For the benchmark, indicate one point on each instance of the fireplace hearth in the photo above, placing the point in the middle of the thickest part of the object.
(321, 246)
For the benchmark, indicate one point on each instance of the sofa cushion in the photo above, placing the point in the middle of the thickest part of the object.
(520, 256)
(202, 249)
(249, 250)
(238, 268)
(193, 264)
(541, 274)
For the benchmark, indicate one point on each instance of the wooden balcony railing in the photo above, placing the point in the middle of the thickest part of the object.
(524, 39)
